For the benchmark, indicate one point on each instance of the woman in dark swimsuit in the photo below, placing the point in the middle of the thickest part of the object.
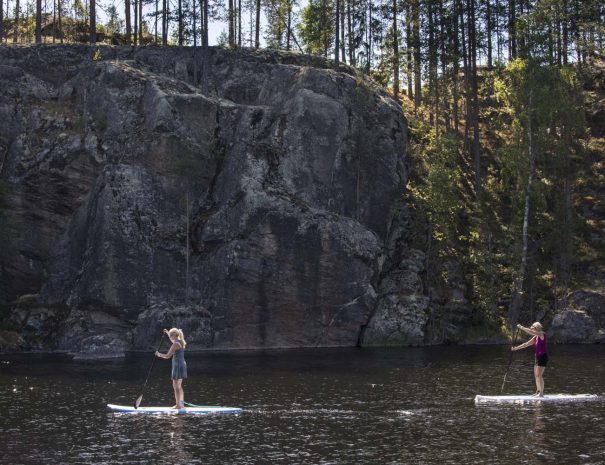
(539, 342)
(179, 366)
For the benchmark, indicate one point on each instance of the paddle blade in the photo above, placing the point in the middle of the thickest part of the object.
(138, 401)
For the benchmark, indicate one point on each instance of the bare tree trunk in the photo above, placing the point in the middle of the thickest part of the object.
(417, 56)
(475, 95)
(60, 8)
(350, 33)
(565, 44)
(408, 51)
(370, 34)
(16, 33)
(512, 34)
(1, 20)
(289, 26)
(395, 52)
(140, 22)
(157, 14)
(517, 288)
(342, 32)
(432, 54)
(489, 25)
(93, 22)
(180, 16)
(164, 22)
(194, 23)
(128, 25)
(239, 22)
(257, 26)
(231, 18)
(337, 37)
(456, 68)
(38, 21)
(136, 22)
(205, 30)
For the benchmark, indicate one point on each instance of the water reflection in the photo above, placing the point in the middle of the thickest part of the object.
(537, 436)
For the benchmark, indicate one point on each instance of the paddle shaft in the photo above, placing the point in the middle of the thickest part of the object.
(140, 398)
(510, 359)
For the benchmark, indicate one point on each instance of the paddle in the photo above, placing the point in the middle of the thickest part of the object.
(510, 359)
(140, 398)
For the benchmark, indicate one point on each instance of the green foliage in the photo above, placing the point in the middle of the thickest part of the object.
(436, 183)
(316, 29)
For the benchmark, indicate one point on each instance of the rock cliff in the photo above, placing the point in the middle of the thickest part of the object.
(253, 199)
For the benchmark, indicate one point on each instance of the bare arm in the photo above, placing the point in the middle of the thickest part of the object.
(173, 348)
(529, 343)
(531, 332)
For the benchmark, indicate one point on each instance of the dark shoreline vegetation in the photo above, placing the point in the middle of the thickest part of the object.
(494, 214)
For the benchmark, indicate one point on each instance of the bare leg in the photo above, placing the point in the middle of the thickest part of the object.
(175, 386)
(537, 379)
(540, 380)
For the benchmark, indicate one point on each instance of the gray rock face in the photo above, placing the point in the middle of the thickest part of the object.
(581, 320)
(245, 197)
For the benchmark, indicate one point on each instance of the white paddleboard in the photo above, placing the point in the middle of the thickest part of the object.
(546, 398)
(173, 411)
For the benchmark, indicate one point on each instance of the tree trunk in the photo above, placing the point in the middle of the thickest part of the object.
(239, 22)
(517, 288)
(135, 35)
(350, 32)
(257, 28)
(342, 31)
(490, 31)
(456, 68)
(289, 26)
(472, 39)
(337, 37)
(205, 24)
(417, 56)
(16, 33)
(432, 75)
(140, 22)
(194, 24)
(38, 21)
(512, 34)
(164, 22)
(408, 51)
(180, 17)
(230, 16)
(93, 22)
(128, 25)
(395, 52)
(565, 45)
(370, 34)
(60, 14)
(1, 20)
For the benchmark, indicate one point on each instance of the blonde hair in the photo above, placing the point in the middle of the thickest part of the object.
(537, 325)
(179, 335)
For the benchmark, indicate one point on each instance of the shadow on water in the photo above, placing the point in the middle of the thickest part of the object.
(412, 405)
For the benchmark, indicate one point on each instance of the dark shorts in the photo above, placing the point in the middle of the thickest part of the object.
(542, 360)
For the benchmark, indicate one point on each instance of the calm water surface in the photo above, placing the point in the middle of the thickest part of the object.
(396, 406)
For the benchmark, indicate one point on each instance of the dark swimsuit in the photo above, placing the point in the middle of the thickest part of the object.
(541, 354)
(179, 366)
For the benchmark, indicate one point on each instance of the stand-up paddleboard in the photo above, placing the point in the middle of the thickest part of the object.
(547, 398)
(168, 410)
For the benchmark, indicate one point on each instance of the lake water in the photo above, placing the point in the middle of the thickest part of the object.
(337, 406)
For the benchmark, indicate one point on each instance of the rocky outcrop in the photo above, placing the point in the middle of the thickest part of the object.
(581, 318)
(247, 197)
